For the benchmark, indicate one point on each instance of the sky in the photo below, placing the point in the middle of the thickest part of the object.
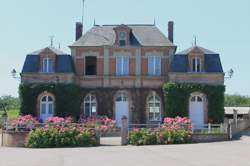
(222, 26)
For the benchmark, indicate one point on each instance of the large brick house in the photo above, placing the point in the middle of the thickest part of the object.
(122, 68)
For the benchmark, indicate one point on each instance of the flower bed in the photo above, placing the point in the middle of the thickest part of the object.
(24, 123)
(54, 136)
(173, 131)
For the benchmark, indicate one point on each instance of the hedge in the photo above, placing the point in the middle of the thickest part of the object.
(176, 98)
(67, 96)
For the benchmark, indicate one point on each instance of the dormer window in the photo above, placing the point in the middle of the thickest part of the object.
(122, 38)
(196, 65)
(48, 65)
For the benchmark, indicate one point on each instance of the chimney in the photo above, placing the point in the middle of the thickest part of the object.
(79, 28)
(171, 31)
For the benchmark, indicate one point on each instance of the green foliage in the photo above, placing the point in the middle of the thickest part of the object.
(65, 137)
(9, 102)
(177, 96)
(237, 101)
(162, 136)
(67, 98)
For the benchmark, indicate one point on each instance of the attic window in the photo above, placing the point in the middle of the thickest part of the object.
(90, 65)
(48, 65)
(122, 38)
(196, 65)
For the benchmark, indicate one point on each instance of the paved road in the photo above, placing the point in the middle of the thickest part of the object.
(234, 153)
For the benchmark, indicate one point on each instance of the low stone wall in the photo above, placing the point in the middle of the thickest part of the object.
(198, 138)
(14, 139)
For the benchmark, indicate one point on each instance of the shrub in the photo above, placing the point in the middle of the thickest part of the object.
(173, 131)
(54, 136)
(102, 123)
(25, 122)
(57, 120)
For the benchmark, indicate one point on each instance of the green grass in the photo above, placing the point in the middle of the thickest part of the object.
(12, 114)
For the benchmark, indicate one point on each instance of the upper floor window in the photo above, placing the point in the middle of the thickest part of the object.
(196, 65)
(122, 66)
(154, 66)
(90, 65)
(48, 65)
(122, 38)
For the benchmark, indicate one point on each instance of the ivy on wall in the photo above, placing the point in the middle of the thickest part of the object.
(176, 98)
(67, 96)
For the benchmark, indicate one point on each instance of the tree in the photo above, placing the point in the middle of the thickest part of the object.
(237, 101)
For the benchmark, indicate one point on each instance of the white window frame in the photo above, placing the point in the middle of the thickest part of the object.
(154, 102)
(91, 103)
(154, 66)
(122, 66)
(195, 60)
(46, 65)
(122, 38)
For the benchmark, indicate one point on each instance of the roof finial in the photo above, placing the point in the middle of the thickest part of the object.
(195, 41)
(51, 40)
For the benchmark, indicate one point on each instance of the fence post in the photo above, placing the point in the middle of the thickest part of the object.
(209, 127)
(124, 131)
(235, 118)
(229, 131)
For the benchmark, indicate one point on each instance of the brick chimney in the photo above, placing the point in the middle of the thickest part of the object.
(79, 28)
(171, 31)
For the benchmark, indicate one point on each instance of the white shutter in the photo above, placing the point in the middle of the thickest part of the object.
(118, 65)
(125, 66)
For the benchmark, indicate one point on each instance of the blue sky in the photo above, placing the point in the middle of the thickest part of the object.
(220, 25)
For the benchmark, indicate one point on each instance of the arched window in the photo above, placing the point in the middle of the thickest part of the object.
(46, 107)
(154, 108)
(90, 106)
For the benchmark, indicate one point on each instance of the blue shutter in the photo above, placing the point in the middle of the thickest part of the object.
(118, 66)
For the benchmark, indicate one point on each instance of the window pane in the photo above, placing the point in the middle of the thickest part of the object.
(87, 109)
(157, 116)
(125, 66)
(118, 66)
(50, 66)
(150, 66)
(43, 109)
(87, 99)
(193, 99)
(50, 109)
(193, 69)
(44, 98)
(158, 66)
(50, 98)
(199, 99)
(122, 42)
(198, 65)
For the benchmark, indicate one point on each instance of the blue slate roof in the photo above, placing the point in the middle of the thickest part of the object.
(63, 64)
(212, 62)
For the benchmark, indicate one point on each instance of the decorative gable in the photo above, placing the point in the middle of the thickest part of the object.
(122, 33)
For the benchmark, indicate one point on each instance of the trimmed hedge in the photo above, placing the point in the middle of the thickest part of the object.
(176, 98)
(67, 102)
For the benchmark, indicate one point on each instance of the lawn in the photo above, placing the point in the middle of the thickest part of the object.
(12, 114)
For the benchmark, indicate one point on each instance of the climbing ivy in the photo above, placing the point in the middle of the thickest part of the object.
(67, 96)
(176, 98)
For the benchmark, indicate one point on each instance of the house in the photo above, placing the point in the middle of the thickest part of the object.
(122, 69)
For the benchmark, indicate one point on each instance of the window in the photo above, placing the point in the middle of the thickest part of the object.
(196, 99)
(90, 65)
(122, 38)
(154, 105)
(89, 106)
(48, 65)
(196, 65)
(154, 66)
(122, 66)
(46, 107)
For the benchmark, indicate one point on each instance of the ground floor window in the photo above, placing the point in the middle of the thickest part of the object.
(90, 106)
(154, 108)
(46, 107)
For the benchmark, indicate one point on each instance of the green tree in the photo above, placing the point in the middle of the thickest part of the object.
(237, 101)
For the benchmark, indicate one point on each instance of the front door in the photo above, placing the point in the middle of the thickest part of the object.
(47, 108)
(196, 111)
(121, 108)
